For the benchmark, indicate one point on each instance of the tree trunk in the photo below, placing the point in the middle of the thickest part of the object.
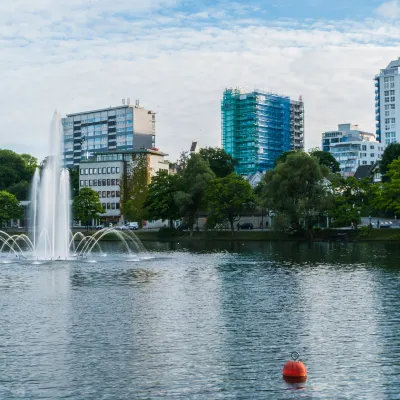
(232, 228)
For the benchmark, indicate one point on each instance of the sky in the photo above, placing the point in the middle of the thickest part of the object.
(177, 57)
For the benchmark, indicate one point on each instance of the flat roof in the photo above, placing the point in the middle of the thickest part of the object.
(107, 109)
(135, 151)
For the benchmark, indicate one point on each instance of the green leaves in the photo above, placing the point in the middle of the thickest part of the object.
(9, 207)
(87, 206)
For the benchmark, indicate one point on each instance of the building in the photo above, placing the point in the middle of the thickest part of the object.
(121, 128)
(387, 105)
(257, 127)
(352, 148)
(105, 171)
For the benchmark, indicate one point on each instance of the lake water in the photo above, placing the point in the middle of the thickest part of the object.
(213, 322)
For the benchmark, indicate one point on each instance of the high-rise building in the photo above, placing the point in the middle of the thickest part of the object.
(387, 103)
(352, 148)
(257, 127)
(122, 128)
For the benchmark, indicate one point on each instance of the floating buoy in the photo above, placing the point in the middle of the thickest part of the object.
(294, 370)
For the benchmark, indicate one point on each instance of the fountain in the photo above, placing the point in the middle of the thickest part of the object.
(50, 236)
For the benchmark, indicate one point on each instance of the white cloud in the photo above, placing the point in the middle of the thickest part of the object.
(390, 9)
(178, 65)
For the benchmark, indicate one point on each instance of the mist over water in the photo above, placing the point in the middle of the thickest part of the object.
(50, 202)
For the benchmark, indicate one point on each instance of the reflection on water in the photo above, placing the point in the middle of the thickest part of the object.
(204, 323)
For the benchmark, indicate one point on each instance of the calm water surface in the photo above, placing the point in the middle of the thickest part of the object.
(203, 323)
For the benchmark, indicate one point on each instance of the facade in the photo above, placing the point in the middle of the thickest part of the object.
(387, 104)
(257, 127)
(104, 173)
(352, 148)
(121, 128)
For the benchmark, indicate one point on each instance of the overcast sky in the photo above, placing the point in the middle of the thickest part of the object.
(177, 57)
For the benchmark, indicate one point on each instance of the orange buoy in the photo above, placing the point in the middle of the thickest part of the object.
(294, 368)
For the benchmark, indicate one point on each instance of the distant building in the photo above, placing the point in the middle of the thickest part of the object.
(121, 128)
(106, 170)
(387, 103)
(352, 148)
(257, 127)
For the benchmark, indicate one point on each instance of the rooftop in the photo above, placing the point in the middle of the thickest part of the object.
(135, 151)
(106, 109)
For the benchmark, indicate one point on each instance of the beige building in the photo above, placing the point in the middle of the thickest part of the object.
(106, 171)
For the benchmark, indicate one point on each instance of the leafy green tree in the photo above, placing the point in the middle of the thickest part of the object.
(221, 163)
(160, 201)
(282, 158)
(388, 196)
(9, 208)
(20, 190)
(297, 190)
(31, 163)
(87, 206)
(195, 178)
(74, 180)
(227, 198)
(12, 169)
(327, 159)
(135, 188)
(391, 153)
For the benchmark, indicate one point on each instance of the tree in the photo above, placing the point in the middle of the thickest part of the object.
(297, 190)
(31, 163)
(9, 207)
(195, 178)
(227, 198)
(391, 153)
(74, 180)
(135, 188)
(327, 159)
(20, 190)
(160, 201)
(221, 163)
(284, 156)
(388, 197)
(87, 206)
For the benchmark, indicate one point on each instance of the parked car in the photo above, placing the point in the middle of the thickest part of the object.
(133, 226)
(246, 225)
(98, 227)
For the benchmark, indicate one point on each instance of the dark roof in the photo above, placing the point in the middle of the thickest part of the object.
(363, 171)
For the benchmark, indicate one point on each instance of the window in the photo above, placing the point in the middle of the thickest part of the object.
(104, 170)
(90, 182)
(117, 194)
(364, 147)
(82, 171)
(387, 93)
(103, 205)
(372, 155)
(387, 120)
(112, 182)
(108, 206)
(386, 86)
(86, 183)
(393, 134)
(387, 113)
(117, 182)
(104, 182)
(108, 193)
(99, 182)
(112, 193)
(95, 182)
(391, 78)
(387, 106)
(104, 194)
(393, 120)
(391, 93)
(86, 171)
(386, 99)
(108, 170)
(90, 171)
(112, 206)
(117, 170)
(392, 85)
(386, 79)
(393, 99)
(82, 183)
(372, 147)
(393, 106)
(108, 182)
(364, 163)
(113, 170)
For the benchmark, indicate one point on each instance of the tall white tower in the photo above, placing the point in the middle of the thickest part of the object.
(387, 103)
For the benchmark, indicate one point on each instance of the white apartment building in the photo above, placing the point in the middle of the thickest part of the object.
(352, 148)
(105, 172)
(387, 105)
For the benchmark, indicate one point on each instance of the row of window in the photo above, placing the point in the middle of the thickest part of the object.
(109, 194)
(390, 120)
(104, 170)
(100, 182)
(390, 106)
(391, 99)
(388, 79)
(389, 85)
(110, 206)
(389, 92)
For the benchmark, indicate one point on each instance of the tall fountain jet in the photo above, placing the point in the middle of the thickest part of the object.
(50, 202)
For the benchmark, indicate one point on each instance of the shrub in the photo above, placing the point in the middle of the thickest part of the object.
(365, 231)
(165, 233)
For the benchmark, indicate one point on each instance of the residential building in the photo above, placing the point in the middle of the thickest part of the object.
(257, 127)
(121, 128)
(352, 147)
(387, 104)
(105, 172)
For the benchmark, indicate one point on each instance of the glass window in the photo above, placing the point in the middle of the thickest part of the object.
(99, 182)
(117, 206)
(386, 99)
(82, 171)
(392, 85)
(393, 120)
(393, 106)
(117, 182)
(90, 171)
(386, 79)
(104, 205)
(372, 147)
(86, 171)
(90, 182)
(108, 182)
(82, 183)
(108, 206)
(387, 93)
(112, 206)
(387, 106)
(393, 99)
(112, 193)
(94, 171)
(117, 194)
(391, 78)
(104, 182)
(108, 170)
(95, 182)
(108, 193)
(86, 183)
(117, 170)
(112, 182)
(104, 194)
(113, 170)
(104, 170)
(391, 93)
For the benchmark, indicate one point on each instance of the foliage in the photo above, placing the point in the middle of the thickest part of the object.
(166, 233)
(227, 198)
(16, 171)
(87, 206)
(221, 163)
(195, 178)
(74, 180)
(135, 189)
(388, 193)
(282, 158)
(160, 201)
(297, 191)
(9, 207)
(365, 231)
(327, 159)
(391, 153)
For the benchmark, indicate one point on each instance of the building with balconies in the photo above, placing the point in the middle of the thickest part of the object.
(352, 148)
(257, 127)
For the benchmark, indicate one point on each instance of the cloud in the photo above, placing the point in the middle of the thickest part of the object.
(390, 9)
(178, 63)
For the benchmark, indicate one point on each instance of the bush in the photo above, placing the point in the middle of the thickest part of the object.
(365, 231)
(165, 233)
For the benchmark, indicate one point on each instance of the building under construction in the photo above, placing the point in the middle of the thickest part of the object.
(257, 127)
